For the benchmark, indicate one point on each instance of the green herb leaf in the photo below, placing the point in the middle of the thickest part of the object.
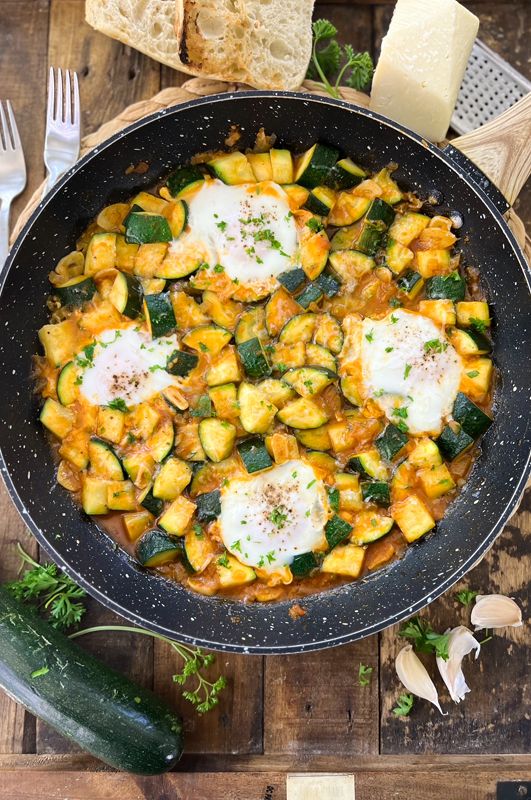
(465, 596)
(407, 370)
(118, 405)
(473, 374)
(357, 68)
(424, 638)
(478, 324)
(364, 675)
(362, 70)
(329, 58)
(404, 705)
(41, 671)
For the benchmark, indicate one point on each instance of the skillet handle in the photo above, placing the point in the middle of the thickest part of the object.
(502, 148)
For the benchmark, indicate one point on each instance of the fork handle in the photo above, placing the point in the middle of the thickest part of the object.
(54, 173)
(4, 232)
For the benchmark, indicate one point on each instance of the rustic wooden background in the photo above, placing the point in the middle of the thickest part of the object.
(280, 714)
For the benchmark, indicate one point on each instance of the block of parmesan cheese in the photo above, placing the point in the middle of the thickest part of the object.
(422, 63)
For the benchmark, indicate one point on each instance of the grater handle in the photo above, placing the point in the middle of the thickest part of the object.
(502, 148)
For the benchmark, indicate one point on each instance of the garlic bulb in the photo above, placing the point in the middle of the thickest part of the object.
(460, 643)
(495, 611)
(413, 674)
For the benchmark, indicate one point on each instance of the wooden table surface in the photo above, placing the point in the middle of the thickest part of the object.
(281, 714)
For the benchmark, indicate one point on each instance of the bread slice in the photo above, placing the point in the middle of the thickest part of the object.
(265, 43)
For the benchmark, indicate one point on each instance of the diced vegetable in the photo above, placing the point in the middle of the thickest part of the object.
(299, 329)
(198, 551)
(251, 325)
(162, 440)
(137, 523)
(256, 412)
(280, 308)
(476, 378)
(177, 516)
(173, 478)
(328, 285)
(376, 492)
(350, 496)
(345, 174)
(473, 314)
(303, 564)
(181, 363)
(292, 279)
(303, 414)
(453, 441)
(315, 439)
(183, 179)
(397, 257)
(410, 283)
(412, 517)
(425, 454)
(225, 368)
(159, 314)
(469, 342)
(442, 312)
(318, 356)
(370, 526)
(111, 424)
(225, 400)
(313, 166)
(261, 166)
(436, 481)
(156, 548)
(451, 287)
(76, 291)
(281, 166)
(67, 384)
(253, 358)
(336, 530)
(101, 253)
(217, 438)
(104, 463)
(224, 313)
(407, 227)
(276, 391)
(282, 446)
(232, 573)
(207, 339)
(121, 496)
(390, 442)
(233, 168)
(328, 333)
(347, 209)
(314, 254)
(126, 295)
(208, 506)
(321, 200)
(308, 381)
(432, 262)
(344, 560)
(151, 503)
(471, 418)
(254, 455)
(369, 464)
(142, 227)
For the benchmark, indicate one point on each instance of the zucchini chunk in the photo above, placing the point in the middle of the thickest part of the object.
(436, 481)
(310, 295)
(473, 315)
(476, 379)
(146, 735)
(397, 256)
(333, 498)
(281, 166)
(321, 200)
(207, 339)
(256, 412)
(152, 503)
(348, 486)
(412, 517)
(432, 262)
(350, 389)
(162, 440)
(224, 313)
(125, 253)
(183, 179)
(469, 342)
(56, 418)
(380, 211)
(369, 464)
(292, 279)
(345, 174)
(297, 194)
(276, 391)
(350, 266)
(308, 381)
(323, 464)
(391, 191)
(155, 548)
(299, 329)
(410, 283)
(347, 209)
(173, 478)
(104, 463)
(217, 437)
(110, 425)
(232, 572)
(328, 333)
(94, 495)
(303, 564)
(407, 227)
(177, 216)
(126, 295)
(284, 356)
(225, 400)
(303, 414)
(336, 530)
(376, 492)
(101, 253)
(198, 551)
(208, 506)
(453, 441)
(425, 455)
(261, 166)
(442, 287)
(140, 467)
(177, 517)
(471, 418)
(159, 314)
(313, 166)
(318, 356)
(280, 308)
(187, 312)
(254, 455)
(251, 325)
(345, 560)
(314, 254)
(136, 523)
(225, 368)
(76, 291)
(67, 384)
(328, 285)
(181, 363)
(142, 227)
(203, 406)
(315, 439)
(253, 358)
(442, 312)
(121, 496)
(282, 446)
(369, 526)
(390, 442)
(232, 169)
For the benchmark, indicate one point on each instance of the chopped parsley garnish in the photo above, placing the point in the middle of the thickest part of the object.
(118, 405)
(478, 325)
(465, 596)
(219, 268)
(404, 705)
(88, 360)
(294, 474)
(333, 498)
(223, 561)
(237, 545)
(309, 385)
(309, 486)
(473, 374)
(364, 675)
(271, 556)
(378, 393)
(435, 346)
(394, 319)
(394, 302)
(401, 425)
(198, 530)
(370, 336)
(155, 367)
(222, 226)
(424, 638)
(203, 407)
(389, 349)
(278, 517)
(41, 671)
(314, 225)
(400, 412)
(407, 370)
(203, 347)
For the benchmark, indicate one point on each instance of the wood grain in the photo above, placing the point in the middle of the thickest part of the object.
(314, 704)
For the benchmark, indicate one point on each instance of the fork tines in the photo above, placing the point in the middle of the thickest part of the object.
(63, 107)
(9, 138)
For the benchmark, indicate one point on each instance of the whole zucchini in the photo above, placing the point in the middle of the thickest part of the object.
(103, 712)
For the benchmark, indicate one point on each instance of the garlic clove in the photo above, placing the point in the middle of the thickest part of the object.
(414, 675)
(495, 611)
(460, 643)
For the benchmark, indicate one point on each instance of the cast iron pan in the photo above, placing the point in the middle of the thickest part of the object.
(74, 541)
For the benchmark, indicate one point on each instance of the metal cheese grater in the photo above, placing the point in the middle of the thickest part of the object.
(490, 86)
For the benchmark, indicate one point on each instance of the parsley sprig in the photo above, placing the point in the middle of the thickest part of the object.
(424, 638)
(404, 705)
(465, 596)
(356, 69)
(59, 597)
(364, 675)
(56, 594)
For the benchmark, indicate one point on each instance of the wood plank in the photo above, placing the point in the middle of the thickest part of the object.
(313, 703)
(354, 25)
(23, 41)
(111, 75)
(472, 785)
(235, 725)
(493, 717)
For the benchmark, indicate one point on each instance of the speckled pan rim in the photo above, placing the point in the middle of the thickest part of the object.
(322, 642)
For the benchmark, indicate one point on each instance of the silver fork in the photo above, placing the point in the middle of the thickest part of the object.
(61, 146)
(12, 173)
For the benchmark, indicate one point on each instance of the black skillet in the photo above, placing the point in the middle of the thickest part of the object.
(429, 567)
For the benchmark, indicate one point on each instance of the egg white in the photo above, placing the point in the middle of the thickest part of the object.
(399, 370)
(248, 229)
(268, 519)
(126, 365)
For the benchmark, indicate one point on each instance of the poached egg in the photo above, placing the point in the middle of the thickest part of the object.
(247, 229)
(125, 365)
(268, 519)
(407, 366)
